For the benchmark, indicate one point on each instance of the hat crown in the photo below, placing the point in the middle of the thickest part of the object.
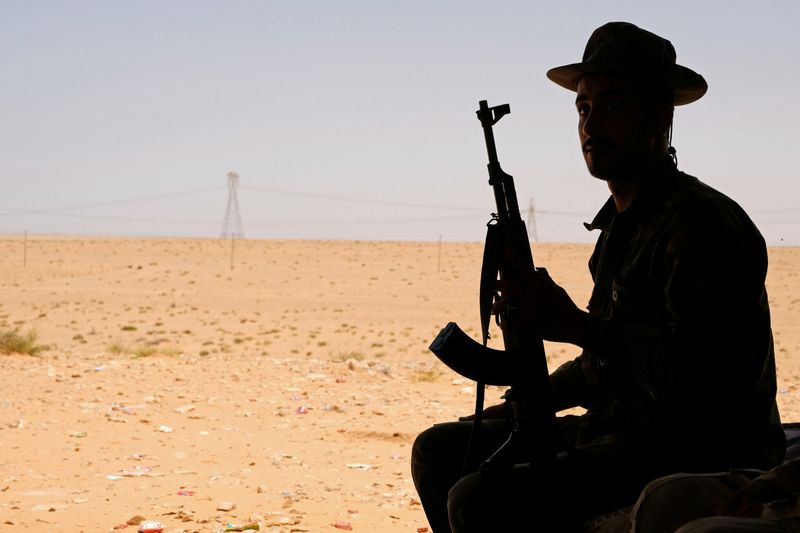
(623, 44)
(623, 48)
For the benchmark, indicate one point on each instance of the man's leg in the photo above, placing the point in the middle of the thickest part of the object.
(437, 461)
(521, 499)
(585, 482)
(730, 524)
(559, 498)
(669, 502)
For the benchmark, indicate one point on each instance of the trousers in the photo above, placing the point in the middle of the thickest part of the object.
(688, 503)
(584, 481)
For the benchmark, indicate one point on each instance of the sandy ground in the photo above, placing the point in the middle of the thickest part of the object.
(200, 384)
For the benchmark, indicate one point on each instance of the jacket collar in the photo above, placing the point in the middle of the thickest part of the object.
(653, 190)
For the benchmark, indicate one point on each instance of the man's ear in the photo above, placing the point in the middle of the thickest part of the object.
(661, 120)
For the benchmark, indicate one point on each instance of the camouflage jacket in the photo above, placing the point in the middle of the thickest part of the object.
(685, 356)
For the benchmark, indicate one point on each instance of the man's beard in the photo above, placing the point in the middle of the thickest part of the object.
(607, 162)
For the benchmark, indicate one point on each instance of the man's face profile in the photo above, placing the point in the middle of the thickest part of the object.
(612, 127)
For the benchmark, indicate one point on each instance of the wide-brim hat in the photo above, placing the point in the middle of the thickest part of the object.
(623, 48)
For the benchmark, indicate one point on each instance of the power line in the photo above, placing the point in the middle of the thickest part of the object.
(359, 222)
(361, 200)
(772, 211)
(47, 210)
(474, 212)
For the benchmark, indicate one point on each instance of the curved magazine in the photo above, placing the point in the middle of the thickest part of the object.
(473, 360)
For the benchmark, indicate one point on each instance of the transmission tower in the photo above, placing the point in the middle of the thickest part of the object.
(232, 223)
(532, 221)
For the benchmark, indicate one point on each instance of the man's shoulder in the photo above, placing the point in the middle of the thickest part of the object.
(689, 195)
(699, 207)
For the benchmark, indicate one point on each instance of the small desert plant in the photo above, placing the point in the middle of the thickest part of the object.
(345, 356)
(144, 351)
(117, 348)
(12, 341)
(426, 375)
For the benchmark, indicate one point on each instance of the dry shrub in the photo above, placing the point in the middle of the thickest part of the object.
(12, 341)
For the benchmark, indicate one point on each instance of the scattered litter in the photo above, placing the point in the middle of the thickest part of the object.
(165, 429)
(302, 410)
(150, 526)
(183, 492)
(279, 519)
(253, 526)
(358, 466)
(135, 471)
(226, 506)
(77, 434)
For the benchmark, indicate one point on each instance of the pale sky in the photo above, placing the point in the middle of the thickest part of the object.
(355, 120)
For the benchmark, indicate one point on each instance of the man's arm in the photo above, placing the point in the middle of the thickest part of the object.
(707, 343)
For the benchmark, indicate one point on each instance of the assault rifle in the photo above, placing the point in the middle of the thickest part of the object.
(522, 365)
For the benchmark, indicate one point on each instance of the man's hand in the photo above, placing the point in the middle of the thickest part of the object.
(529, 298)
(491, 412)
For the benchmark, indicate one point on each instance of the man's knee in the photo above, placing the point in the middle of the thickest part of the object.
(437, 456)
(671, 501)
(467, 501)
(436, 442)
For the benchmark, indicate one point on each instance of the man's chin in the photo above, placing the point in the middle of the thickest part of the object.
(599, 172)
(609, 172)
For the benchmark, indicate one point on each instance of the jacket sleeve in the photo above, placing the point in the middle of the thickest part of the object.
(569, 385)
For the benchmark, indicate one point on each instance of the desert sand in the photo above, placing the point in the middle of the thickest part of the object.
(201, 383)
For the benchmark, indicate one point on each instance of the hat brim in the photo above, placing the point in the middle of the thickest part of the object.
(688, 85)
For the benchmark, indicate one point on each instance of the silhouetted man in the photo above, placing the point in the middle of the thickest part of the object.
(677, 371)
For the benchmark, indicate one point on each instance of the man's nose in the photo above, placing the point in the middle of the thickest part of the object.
(589, 126)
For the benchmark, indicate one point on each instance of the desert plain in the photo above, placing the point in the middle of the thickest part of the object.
(203, 383)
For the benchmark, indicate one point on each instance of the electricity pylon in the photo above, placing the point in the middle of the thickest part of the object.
(532, 221)
(232, 223)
